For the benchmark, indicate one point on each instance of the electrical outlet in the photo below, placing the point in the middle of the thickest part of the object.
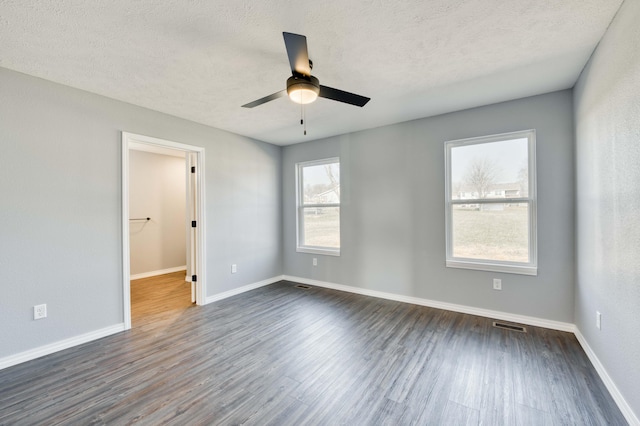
(315, 261)
(497, 284)
(599, 320)
(234, 268)
(39, 311)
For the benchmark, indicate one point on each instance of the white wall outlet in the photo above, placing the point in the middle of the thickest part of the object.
(315, 261)
(39, 311)
(599, 320)
(234, 268)
(497, 284)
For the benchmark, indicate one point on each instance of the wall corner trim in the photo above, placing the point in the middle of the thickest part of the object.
(505, 316)
(243, 289)
(41, 351)
(627, 412)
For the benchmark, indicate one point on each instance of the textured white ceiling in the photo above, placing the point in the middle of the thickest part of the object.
(201, 60)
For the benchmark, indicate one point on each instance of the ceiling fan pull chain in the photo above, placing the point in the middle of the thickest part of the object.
(304, 111)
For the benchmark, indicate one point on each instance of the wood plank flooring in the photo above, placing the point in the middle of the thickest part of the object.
(159, 298)
(281, 355)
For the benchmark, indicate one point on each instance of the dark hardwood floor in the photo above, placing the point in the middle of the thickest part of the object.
(282, 355)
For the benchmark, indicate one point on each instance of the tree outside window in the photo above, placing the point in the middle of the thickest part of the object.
(491, 204)
(318, 226)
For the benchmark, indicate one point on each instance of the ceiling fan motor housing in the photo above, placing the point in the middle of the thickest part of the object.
(303, 89)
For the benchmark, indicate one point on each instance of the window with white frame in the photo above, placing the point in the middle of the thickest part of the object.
(491, 203)
(318, 203)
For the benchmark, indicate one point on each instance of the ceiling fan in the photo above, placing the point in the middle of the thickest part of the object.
(302, 87)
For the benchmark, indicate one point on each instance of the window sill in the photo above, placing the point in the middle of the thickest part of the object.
(493, 267)
(317, 250)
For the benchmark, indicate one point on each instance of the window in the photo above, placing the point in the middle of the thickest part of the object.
(318, 188)
(491, 203)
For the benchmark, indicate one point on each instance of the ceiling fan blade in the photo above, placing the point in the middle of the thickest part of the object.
(342, 96)
(265, 99)
(296, 45)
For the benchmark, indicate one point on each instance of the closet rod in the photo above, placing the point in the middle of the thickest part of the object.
(142, 218)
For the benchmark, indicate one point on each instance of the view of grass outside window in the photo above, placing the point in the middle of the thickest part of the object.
(491, 203)
(318, 185)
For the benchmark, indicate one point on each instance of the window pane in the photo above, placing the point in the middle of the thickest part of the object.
(321, 226)
(491, 231)
(321, 184)
(490, 170)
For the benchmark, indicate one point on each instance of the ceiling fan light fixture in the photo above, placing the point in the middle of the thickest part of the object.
(303, 89)
(302, 96)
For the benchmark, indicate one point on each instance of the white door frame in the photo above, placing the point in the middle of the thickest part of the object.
(201, 286)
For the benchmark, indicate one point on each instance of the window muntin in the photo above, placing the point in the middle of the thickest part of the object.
(491, 203)
(318, 205)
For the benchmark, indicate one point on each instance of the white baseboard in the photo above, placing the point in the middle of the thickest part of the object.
(158, 272)
(626, 410)
(521, 319)
(628, 413)
(58, 346)
(249, 287)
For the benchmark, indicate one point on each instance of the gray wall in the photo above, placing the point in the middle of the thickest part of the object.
(393, 235)
(157, 189)
(607, 121)
(60, 221)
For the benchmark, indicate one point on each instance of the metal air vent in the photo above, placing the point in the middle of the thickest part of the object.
(507, 326)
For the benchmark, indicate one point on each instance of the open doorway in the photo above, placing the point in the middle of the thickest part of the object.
(185, 257)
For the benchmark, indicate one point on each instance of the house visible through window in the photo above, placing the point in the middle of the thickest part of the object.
(491, 203)
(318, 202)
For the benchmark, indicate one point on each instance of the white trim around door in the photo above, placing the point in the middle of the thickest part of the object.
(129, 140)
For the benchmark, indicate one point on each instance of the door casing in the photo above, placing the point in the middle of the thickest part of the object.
(200, 286)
